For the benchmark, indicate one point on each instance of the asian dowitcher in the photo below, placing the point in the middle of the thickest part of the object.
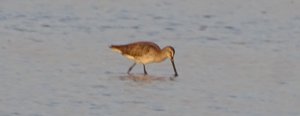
(144, 53)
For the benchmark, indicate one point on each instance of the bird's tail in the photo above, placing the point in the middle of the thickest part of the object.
(115, 48)
(111, 46)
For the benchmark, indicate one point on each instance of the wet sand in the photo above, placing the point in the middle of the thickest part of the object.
(234, 58)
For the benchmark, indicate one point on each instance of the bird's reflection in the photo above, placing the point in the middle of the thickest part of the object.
(145, 78)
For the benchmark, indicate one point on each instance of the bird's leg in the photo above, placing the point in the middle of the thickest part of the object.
(130, 68)
(145, 72)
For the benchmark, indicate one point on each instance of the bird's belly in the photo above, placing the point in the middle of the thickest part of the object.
(141, 59)
(146, 60)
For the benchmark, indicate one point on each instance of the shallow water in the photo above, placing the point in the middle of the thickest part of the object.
(233, 58)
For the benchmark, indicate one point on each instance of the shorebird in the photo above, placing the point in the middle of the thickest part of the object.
(144, 52)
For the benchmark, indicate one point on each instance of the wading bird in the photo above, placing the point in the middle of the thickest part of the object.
(144, 53)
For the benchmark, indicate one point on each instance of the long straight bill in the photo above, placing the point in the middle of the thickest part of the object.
(173, 64)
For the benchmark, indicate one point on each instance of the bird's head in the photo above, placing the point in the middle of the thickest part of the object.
(169, 51)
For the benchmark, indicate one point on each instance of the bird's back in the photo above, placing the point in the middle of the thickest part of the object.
(136, 49)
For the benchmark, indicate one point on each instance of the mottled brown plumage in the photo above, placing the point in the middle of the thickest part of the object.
(144, 53)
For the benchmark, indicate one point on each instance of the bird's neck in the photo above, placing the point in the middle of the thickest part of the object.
(161, 56)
